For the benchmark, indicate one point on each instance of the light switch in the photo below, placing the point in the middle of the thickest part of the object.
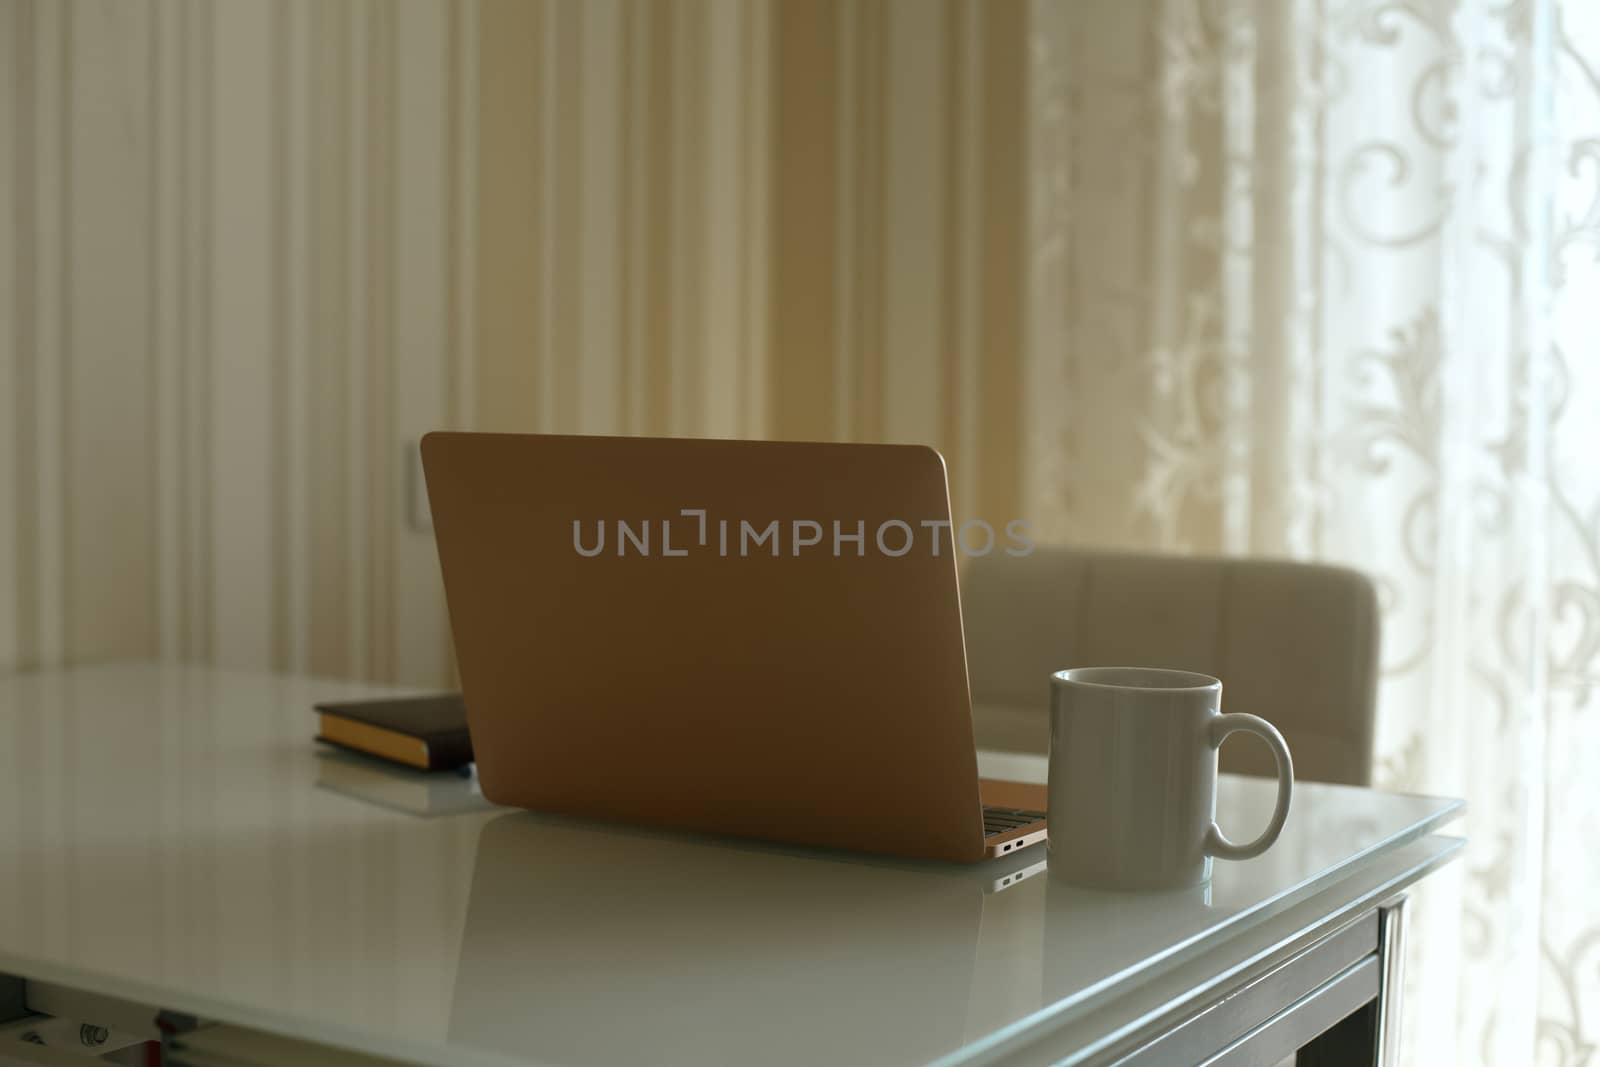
(421, 516)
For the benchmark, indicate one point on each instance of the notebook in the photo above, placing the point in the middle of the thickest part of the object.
(428, 732)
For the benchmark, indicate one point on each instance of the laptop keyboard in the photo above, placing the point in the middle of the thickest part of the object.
(1001, 820)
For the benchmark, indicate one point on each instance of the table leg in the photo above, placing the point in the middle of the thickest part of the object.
(1371, 1034)
(1392, 953)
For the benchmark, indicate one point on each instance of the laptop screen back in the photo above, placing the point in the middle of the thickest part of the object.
(750, 638)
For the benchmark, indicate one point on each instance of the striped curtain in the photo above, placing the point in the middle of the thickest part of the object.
(251, 252)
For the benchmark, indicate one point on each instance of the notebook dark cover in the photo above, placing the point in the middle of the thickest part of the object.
(439, 722)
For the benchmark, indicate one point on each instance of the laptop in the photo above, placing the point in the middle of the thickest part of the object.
(749, 638)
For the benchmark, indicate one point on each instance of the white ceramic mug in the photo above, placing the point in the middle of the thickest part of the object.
(1133, 777)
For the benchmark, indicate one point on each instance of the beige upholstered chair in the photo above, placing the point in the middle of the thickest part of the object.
(1295, 643)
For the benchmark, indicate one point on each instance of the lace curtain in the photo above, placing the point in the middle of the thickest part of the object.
(1324, 283)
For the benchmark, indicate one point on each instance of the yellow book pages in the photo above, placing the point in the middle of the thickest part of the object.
(412, 751)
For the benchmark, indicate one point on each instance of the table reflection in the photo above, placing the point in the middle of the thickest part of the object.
(579, 940)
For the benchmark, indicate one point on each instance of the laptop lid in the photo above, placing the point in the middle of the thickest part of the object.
(752, 638)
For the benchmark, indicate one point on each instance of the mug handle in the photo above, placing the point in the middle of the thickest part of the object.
(1216, 843)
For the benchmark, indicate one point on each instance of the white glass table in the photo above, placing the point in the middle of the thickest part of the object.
(177, 842)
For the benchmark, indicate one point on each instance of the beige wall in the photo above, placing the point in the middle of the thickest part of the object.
(249, 252)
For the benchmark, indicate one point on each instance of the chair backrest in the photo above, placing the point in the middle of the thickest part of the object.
(1296, 643)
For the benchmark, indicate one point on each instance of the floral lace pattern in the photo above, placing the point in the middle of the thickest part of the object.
(1329, 277)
